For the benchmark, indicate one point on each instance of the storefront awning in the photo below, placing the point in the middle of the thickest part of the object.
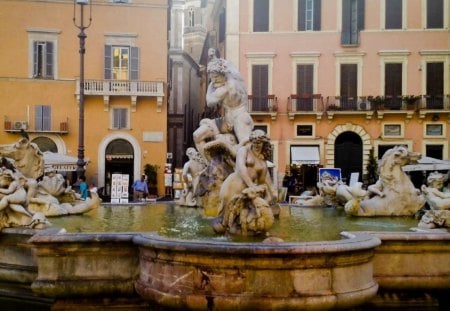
(60, 162)
(305, 155)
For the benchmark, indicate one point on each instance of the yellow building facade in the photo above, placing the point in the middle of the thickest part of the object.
(125, 74)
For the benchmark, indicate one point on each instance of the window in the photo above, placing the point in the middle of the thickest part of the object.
(43, 59)
(435, 14)
(309, 15)
(434, 151)
(305, 87)
(222, 26)
(191, 17)
(42, 118)
(121, 62)
(120, 118)
(260, 15)
(393, 85)
(349, 85)
(305, 130)
(45, 144)
(435, 85)
(434, 130)
(392, 130)
(352, 21)
(261, 127)
(260, 82)
(393, 13)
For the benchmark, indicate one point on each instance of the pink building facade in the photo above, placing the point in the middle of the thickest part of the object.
(332, 81)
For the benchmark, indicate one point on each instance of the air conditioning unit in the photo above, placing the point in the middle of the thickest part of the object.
(18, 125)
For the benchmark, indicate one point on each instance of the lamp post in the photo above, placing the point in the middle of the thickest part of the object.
(80, 24)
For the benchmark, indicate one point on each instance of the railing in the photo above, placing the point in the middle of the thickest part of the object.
(17, 123)
(262, 103)
(344, 103)
(305, 103)
(122, 88)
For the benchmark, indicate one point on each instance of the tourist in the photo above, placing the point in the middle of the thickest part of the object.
(140, 189)
(83, 188)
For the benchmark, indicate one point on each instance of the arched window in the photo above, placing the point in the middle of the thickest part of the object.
(45, 144)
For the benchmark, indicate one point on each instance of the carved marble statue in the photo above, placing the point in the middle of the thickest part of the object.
(23, 201)
(246, 193)
(438, 200)
(394, 193)
(191, 177)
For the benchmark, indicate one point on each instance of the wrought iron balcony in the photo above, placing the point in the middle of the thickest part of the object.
(301, 104)
(263, 106)
(14, 124)
(134, 89)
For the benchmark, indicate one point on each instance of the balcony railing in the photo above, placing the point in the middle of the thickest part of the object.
(263, 105)
(17, 123)
(134, 89)
(305, 104)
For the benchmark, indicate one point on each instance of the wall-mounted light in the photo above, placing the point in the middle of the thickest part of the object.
(435, 117)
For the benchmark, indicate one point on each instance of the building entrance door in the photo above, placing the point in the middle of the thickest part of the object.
(348, 154)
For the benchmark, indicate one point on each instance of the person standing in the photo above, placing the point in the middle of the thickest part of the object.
(83, 188)
(140, 189)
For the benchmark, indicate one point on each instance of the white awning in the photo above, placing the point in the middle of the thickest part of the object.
(60, 162)
(428, 164)
(305, 155)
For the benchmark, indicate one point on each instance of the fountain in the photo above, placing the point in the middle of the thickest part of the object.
(241, 256)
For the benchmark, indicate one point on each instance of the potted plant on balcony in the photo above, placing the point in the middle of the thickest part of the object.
(377, 102)
(411, 101)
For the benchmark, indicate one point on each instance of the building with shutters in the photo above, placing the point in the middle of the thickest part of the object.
(333, 81)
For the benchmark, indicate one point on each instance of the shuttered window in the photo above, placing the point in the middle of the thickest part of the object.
(352, 21)
(42, 117)
(435, 14)
(394, 14)
(309, 15)
(43, 54)
(305, 87)
(121, 62)
(120, 118)
(393, 79)
(260, 15)
(435, 85)
(349, 78)
(260, 80)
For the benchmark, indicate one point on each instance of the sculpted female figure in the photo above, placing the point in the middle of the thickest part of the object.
(249, 188)
(227, 90)
(436, 198)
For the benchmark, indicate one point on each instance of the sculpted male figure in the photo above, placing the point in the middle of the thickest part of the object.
(227, 90)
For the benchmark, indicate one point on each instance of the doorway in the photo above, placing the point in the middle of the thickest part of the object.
(348, 155)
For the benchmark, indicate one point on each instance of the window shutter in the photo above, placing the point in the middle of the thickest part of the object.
(222, 26)
(393, 79)
(435, 14)
(38, 117)
(361, 12)
(134, 63)
(305, 79)
(260, 81)
(317, 14)
(49, 59)
(261, 15)
(346, 23)
(301, 15)
(394, 14)
(46, 118)
(108, 51)
(349, 80)
(35, 59)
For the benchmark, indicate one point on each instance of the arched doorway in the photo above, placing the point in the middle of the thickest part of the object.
(119, 159)
(349, 154)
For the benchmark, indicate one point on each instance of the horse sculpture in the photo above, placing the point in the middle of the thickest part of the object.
(393, 194)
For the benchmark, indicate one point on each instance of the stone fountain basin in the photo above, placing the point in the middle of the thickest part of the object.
(189, 274)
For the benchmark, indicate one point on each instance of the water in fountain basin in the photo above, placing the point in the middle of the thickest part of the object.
(295, 224)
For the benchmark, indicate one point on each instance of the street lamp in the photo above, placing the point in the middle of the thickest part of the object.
(82, 36)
